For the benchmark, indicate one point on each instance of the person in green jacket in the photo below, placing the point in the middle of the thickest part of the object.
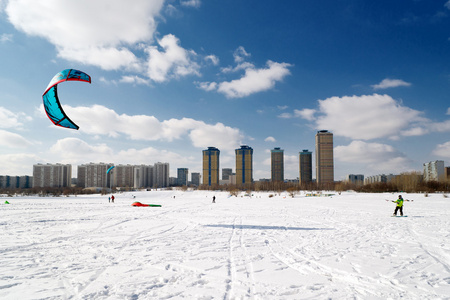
(399, 206)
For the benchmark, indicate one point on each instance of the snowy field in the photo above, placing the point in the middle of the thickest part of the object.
(341, 247)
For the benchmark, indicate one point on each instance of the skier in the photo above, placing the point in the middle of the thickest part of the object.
(399, 206)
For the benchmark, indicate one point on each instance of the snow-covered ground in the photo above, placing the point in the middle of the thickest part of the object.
(340, 247)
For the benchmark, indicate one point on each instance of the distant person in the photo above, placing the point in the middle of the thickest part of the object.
(109, 199)
(214, 199)
(112, 198)
(399, 206)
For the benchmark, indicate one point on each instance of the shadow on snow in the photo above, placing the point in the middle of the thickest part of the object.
(262, 227)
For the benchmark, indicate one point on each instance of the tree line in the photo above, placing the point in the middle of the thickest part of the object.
(411, 182)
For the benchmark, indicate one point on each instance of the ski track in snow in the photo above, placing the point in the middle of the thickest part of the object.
(341, 247)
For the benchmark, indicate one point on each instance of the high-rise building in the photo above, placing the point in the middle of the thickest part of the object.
(161, 175)
(305, 167)
(94, 175)
(383, 178)
(324, 157)
(277, 163)
(52, 175)
(226, 172)
(211, 166)
(143, 176)
(244, 165)
(195, 179)
(356, 179)
(433, 170)
(182, 178)
(21, 182)
(123, 176)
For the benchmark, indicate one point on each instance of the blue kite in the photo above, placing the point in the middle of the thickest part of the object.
(51, 102)
(109, 170)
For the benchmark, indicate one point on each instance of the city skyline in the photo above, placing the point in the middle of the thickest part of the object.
(211, 165)
(170, 78)
(144, 176)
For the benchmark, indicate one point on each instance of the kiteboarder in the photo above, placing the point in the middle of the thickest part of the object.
(399, 206)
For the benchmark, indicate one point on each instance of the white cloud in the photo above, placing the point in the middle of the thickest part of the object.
(448, 111)
(74, 151)
(176, 128)
(107, 58)
(148, 128)
(307, 114)
(267, 161)
(151, 155)
(439, 126)
(101, 32)
(390, 83)
(366, 117)
(213, 59)
(218, 135)
(9, 119)
(270, 139)
(285, 115)
(108, 122)
(447, 4)
(18, 164)
(369, 117)
(134, 80)
(255, 80)
(191, 3)
(13, 140)
(282, 107)
(207, 86)
(239, 67)
(374, 156)
(414, 131)
(5, 37)
(106, 81)
(240, 54)
(442, 150)
(172, 11)
(291, 165)
(173, 61)
(77, 151)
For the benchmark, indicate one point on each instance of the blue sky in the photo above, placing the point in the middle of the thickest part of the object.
(170, 78)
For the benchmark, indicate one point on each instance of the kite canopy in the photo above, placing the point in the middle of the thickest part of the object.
(145, 205)
(109, 170)
(51, 102)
